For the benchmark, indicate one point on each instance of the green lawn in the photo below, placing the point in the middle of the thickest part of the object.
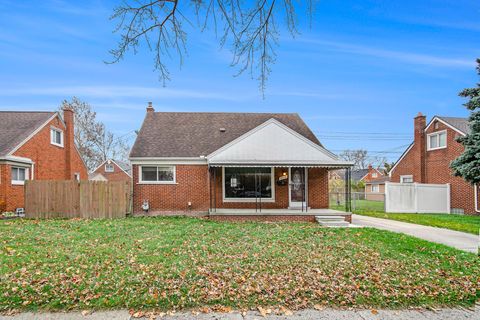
(360, 205)
(180, 263)
(470, 224)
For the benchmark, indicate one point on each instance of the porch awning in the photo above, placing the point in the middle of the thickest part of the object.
(274, 144)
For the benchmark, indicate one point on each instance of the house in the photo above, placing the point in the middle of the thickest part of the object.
(357, 176)
(375, 188)
(234, 166)
(428, 158)
(111, 170)
(35, 146)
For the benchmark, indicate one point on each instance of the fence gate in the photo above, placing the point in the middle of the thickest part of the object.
(72, 199)
(417, 198)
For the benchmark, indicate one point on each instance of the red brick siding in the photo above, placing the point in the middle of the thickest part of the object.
(318, 188)
(192, 185)
(368, 177)
(117, 175)
(50, 164)
(437, 168)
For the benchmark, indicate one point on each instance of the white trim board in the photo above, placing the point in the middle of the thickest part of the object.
(400, 159)
(272, 143)
(31, 135)
(436, 118)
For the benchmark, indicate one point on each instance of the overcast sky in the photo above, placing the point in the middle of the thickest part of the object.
(358, 76)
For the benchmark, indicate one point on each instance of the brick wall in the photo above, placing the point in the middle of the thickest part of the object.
(318, 188)
(434, 166)
(192, 185)
(50, 164)
(117, 175)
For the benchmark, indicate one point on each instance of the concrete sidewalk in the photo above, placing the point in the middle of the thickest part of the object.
(460, 240)
(444, 314)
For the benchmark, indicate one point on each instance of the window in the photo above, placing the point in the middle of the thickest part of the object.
(19, 175)
(56, 137)
(375, 188)
(109, 167)
(248, 183)
(406, 179)
(437, 140)
(157, 174)
(374, 175)
(76, 176)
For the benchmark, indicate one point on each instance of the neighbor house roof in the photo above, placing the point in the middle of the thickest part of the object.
(380, 180)
(356, 175)
(458, 123)
(195, 134)
(16, 127)
(125, 166)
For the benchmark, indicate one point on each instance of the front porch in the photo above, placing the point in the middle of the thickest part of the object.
(273, 173)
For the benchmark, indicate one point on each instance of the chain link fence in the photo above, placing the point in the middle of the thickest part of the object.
(361, 201)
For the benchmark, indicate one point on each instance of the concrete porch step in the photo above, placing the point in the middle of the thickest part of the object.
(332, 221)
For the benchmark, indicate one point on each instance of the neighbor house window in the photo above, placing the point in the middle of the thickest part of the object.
(109, 167)
(248, 183)
(437, 140)
(406, 179)
(374, 175)
(157, 174)
(375, 188)
(19, 175)
(56, 137)
(76, 176)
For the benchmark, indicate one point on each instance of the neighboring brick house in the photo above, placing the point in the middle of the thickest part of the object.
(35, 146)
(359, 175)
(112, 170)
(230, 166)
(375, 188)
(428, 158)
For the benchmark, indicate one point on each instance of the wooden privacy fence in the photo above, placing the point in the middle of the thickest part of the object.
(73, 199)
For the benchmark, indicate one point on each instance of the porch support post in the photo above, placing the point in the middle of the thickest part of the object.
(348, 190)
(210, 188)
(215, 189)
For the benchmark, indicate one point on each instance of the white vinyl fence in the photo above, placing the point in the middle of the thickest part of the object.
(417, 197)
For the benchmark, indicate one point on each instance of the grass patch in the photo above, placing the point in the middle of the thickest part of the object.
(470, 224)
(178, 263)
(361, 205)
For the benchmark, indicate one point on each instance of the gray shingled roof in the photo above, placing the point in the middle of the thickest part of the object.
(124, 166)
(17, 126)
(459, 123)
(192, 134)
(356, 175)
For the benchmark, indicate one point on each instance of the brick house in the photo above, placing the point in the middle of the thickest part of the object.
(358, 175)
(35, 145)
(428, 158)
(112, 170)
(375, 188)
(264, 166)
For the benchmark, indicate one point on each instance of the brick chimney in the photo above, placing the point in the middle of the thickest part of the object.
(150, 107)
(69, 146)
(420, 122)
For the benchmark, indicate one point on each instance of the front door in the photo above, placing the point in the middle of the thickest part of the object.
(297, 187)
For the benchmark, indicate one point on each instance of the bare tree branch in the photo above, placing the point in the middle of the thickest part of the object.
(249, 27)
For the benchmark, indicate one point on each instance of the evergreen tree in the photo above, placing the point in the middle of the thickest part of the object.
(467, 165)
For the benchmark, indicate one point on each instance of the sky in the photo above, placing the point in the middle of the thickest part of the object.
(357, 74)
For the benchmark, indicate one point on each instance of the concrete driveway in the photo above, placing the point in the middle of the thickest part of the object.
(460, 240)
